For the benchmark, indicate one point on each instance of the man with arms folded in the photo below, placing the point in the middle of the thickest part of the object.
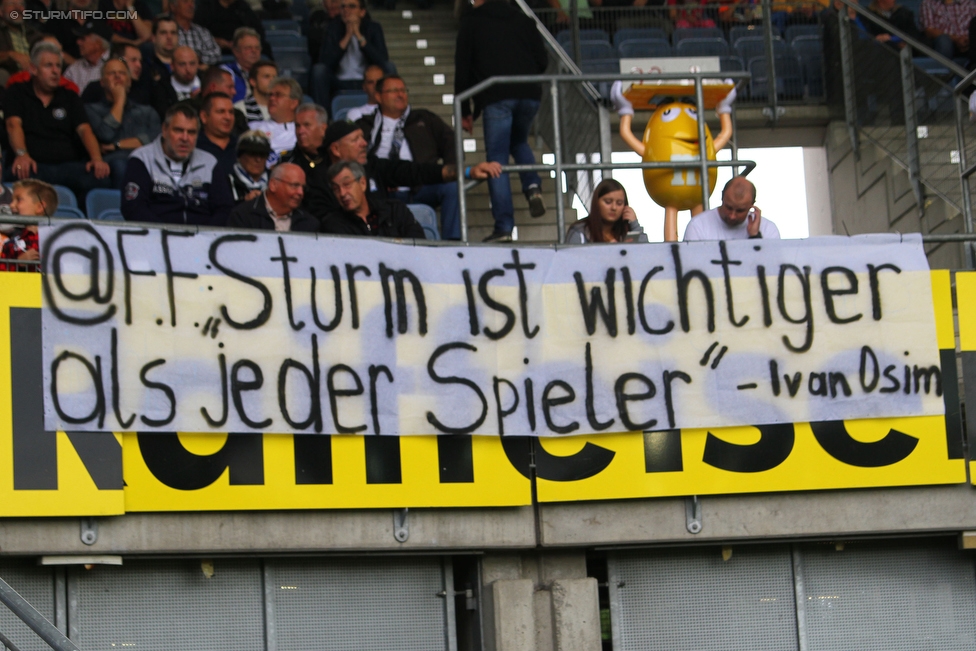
(737, 218)
(172, 182)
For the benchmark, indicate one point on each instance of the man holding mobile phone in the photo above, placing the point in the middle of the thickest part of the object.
(738, 217)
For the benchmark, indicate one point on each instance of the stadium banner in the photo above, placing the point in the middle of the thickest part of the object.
(77, 473)
(175, 330)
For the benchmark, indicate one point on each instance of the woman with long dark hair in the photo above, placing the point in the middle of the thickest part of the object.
(611, 218)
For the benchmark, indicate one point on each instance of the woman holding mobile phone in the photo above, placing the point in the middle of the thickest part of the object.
(611, 218)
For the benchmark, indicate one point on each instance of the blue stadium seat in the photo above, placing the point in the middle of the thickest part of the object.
(731, 63)
(744, 31)
(342, 103)
(565, 37)
(590, 50)
(702, 47)
(697, 32)
(755, 46)
(66, 197)
(601, 65)
(644, 47)
(110, 216)
(795, 31)
(789, 78)
(426, 217)
(931, 66)
(281, 25)
(68, 212)
(299, 10)
(631, 33)
(285, 39)
(809, 52)
(100, 200)
(294, 62)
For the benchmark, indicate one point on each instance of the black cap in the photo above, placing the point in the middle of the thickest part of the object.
(338, 131)
(253, 142)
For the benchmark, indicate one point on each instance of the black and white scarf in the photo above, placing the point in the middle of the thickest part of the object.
(376, 136)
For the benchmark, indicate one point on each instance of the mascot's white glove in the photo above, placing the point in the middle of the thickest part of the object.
(619, 101)
(725, 106)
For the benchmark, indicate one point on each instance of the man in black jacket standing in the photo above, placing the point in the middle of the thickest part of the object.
(496, 38)
(362, 214)
(279, 207)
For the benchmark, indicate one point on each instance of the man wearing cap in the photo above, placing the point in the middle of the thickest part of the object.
(170, 181)
(249, 175)
(279, 207)
(88, 67)
(120, 125)
(345, 141)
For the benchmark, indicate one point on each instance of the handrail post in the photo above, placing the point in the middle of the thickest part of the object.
(847, 73)
(558, 153)
(967, 207)
(767, 8)
(459, 157)
(702, 150)
(606, 140)
(911, 127)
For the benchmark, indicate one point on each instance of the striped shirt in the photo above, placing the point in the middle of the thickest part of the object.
(201, 40)
(951, 18)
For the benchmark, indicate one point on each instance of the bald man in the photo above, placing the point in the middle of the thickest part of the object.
(279, 207)
(738, 217)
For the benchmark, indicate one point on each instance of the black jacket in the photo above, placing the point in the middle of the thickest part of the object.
(497, 39)
(374, 51)
(395, 220)
(430, 138)
(254, 214)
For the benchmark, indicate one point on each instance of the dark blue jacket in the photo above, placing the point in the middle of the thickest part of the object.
(374, 50)
(151, 193)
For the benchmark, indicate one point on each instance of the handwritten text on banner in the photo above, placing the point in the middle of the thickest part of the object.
(171, 330)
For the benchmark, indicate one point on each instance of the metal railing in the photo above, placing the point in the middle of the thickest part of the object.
(34, 619)
(699, 163)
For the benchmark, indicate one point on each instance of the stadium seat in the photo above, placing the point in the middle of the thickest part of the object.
(565, 37)
(426, 217)
(697, 32)
(931, 66)
(796, 31)
(744, 31)
(631, 33)
(590, 50)
(68, 212)
(601, 65)
(755, 46)
(789, 78)
(731, 63)
(66, 197)
(342, 103)
(286, 40)
(809, 52)
(294, 62)
(702, 47)
(644, 47)
(281, 25)
(100, 200)
(110, 216)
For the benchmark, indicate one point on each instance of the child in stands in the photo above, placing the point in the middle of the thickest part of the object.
(30, 198)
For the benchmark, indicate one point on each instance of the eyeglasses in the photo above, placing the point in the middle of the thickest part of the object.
(398, 91)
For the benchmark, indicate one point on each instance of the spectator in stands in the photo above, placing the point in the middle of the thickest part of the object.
(120, 125)
(360, 213)
(318, 22)
(285, 97)
(900, 17)
(372, 75)
(65, 29)
(737, 218)
(496, 38)
(611, 218)
(193, 35)
(255, 105)
(88, 67)
(946, 22)
(172, 182)
(30, 198)
(224, 17)
(349, 46)
(247, 52)
(16, 39)
(689, 13)
(249, 175)
(132, 22)
(165, 41)
(311, 121)
(132, 57)
(279, 207)
(217, 128)
(183, 78)
(49, 130)
(399, 131)
(216, 79)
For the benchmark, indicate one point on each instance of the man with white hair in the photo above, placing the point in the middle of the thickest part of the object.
(88, 67)
(286, 94)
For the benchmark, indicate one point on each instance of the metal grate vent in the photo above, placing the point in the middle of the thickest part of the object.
(912, 596)
(167, 605)
(354, 604)
(36, 585)
(677, 600)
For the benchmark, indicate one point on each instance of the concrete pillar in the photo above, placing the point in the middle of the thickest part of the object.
(576, 615)
(513, 616)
